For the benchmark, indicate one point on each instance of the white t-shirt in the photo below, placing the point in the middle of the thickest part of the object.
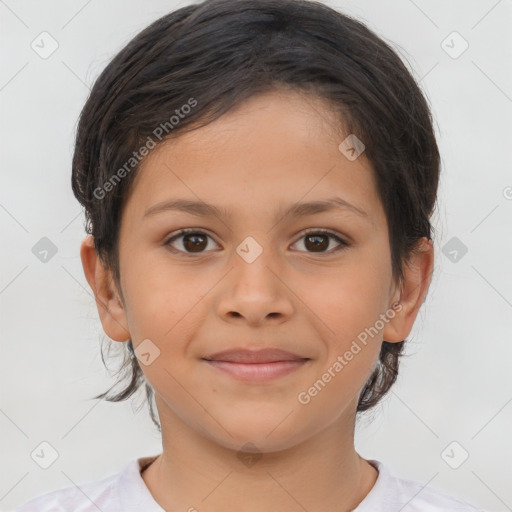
(126, 491)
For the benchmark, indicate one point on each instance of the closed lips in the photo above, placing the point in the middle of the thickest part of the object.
(269, 355)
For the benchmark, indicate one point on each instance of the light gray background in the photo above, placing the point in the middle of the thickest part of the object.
(456, 385)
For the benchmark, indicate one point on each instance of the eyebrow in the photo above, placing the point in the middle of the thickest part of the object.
(203, 209)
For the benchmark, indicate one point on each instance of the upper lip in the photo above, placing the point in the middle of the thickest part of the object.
(242, 355)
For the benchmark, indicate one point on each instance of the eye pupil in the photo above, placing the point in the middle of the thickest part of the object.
(318, 243)
(192, 246)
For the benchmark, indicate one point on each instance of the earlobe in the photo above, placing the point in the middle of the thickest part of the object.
(417, 277)
(110, 307)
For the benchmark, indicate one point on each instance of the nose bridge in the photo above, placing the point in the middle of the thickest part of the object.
(253, 263)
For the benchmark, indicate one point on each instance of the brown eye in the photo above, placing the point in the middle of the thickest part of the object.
(194, 242)
(191, 241)
(319, 242)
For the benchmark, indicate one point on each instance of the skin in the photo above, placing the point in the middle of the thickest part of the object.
(275, 150)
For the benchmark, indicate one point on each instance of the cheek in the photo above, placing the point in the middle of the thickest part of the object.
(346, 312)
(160, 294)
(344, 301)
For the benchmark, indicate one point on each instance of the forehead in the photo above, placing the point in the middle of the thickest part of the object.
(274, 149)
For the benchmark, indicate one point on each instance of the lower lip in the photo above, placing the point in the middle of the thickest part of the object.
(258, 371)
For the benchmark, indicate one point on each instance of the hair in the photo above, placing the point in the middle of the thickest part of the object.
(213, 56)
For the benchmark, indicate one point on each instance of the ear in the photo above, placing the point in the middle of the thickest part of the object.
(417, 276)
(109, 304)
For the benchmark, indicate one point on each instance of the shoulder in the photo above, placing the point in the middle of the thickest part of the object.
(393, 493)
(101, 494)
(421, 498)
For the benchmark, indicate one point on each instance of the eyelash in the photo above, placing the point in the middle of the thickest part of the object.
(188, 231)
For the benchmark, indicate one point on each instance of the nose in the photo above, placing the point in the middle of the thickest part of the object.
(256, 292)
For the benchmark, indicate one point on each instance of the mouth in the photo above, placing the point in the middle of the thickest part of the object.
(260, 365)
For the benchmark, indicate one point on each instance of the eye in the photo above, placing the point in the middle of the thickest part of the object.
(193, 241)
(318, 241)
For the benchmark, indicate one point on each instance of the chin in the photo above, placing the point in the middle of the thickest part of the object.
(258, 433)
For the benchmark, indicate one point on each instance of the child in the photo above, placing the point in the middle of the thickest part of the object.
(258, 178)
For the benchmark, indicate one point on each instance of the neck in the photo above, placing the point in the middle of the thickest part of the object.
(322, 473)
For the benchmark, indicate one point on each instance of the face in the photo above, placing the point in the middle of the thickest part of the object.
(249, 275)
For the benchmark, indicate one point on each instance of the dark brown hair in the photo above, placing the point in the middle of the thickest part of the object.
(212, 56)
